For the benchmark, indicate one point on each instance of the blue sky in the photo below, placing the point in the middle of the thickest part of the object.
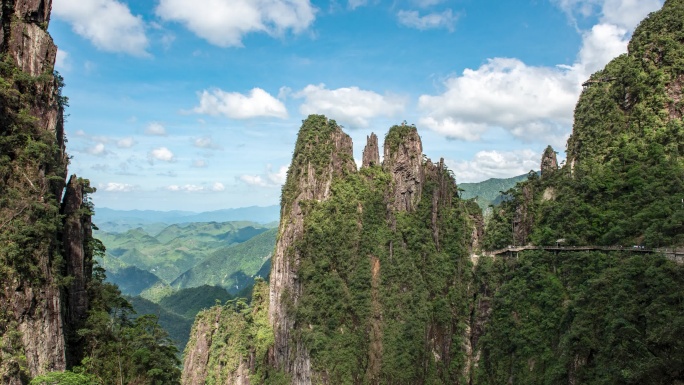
(195, 105)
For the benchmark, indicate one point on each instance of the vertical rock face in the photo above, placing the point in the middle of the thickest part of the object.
(200, 365)
(25, 36)
(33, 303)
(549, 163)
(371, 153)
(322, 153)
(76, 232)
(403, 159)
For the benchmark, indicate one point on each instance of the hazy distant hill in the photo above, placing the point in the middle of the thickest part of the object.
(488, 191)
(111, 220)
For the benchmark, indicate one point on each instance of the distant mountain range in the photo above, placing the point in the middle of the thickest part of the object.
(121, 220)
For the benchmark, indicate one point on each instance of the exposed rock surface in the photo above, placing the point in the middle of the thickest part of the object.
(371, 153)
(77, 231)
(322, 152)
(403, 159)
(24, 35)
(549, 163)
(33, 308)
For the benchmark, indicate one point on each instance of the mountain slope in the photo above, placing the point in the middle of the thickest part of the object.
(231, 267)
(173, 250)
(488, 192)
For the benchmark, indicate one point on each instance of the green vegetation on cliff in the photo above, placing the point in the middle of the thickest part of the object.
(623, 183)
(598, 317)
(232, 337)
(370, 293)
(582, 317)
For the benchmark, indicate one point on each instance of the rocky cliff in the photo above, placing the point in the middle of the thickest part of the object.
(368, 283)
(38, 251)
(322, 153)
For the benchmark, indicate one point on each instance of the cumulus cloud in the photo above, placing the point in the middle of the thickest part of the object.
(225, 22)
(155, 128)
(349, 105)
(599, 46)
(125, 142)
(161, 153)
(271, 178)
(258, 103)
(628, 13)
(504, 93)
(277, 177)
(115, 187)
(532, 103)
(446, 19)
(253, 180)
(107, 24)
(218, 187)
(494, 164)
(98, 149)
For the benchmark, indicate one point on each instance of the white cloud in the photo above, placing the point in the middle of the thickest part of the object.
(502, 93)
(238, 106)
(494, 164)
(628, 13)
(284, 92)
(108, 24)
(191, 188)
(97, 149)
(532, 103)
(161, 153)
(269, 179)
(186, 188)
(225, 22)
(599, 45)
(116, 187)
(349, 105)
(62, 62)
(622, 13)
(254, 180)
(125, 142)
(433, 20)
(277, 178)
(199, 163)
(155, 128)
(205, 142)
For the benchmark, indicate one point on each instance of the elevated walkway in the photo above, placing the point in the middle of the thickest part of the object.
(674, 254)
